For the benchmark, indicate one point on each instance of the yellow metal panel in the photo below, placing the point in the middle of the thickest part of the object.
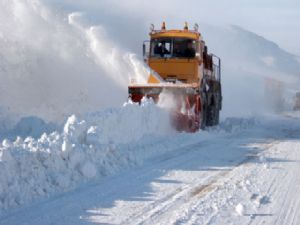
(153, 80)
(176, 33)
(181, 69)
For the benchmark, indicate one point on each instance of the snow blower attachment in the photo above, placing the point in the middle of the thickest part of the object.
(182, 70)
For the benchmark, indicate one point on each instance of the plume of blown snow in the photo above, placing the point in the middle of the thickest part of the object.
(54, 63)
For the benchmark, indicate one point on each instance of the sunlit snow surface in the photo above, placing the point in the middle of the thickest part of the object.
(97, 145)
(93, 172)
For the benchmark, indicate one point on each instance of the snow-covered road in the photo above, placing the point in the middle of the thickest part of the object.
(249, 176)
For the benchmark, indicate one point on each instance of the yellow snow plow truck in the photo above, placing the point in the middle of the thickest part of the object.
(181, 66)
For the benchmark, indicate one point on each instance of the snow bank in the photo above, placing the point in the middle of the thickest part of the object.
(27, 126)
(91, 146)
(97, 145)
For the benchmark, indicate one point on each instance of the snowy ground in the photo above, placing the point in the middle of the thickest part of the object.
(242, 172)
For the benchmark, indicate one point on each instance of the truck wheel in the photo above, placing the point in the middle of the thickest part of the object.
(203, 117)
(212, 113)
(210, 116)
(217, 117)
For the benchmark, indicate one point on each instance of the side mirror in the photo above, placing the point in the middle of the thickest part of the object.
(146, 47)
(144, 50)
(205, 50)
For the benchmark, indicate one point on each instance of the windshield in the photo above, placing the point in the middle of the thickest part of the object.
(173, 48)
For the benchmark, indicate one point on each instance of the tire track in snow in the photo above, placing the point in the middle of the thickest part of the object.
(274, 189)
(180, 195)
(290, 202)
(189, 196)
(191, 219)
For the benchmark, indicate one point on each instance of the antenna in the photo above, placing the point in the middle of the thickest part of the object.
(186, 27)
(163, 26)
(196, 27)
(152, 27)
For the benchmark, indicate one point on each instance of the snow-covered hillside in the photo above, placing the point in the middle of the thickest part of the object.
(248, 56)
(244, 48)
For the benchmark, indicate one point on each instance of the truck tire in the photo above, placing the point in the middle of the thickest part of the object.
(203, 116)
(212, 113)
(217, 117)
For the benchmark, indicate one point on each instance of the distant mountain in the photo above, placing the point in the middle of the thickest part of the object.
(239, 47)
(249, 62)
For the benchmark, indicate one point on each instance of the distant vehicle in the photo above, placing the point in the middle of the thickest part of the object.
(182, 66)
(297, 102)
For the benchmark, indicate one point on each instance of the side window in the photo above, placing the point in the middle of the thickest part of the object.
(179, 48)
(161, 48)
(184, 48)
(190, 49)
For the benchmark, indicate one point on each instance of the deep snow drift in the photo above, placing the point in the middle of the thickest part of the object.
(88, 148)
(100, 144)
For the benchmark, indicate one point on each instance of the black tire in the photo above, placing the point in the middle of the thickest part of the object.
(217, 117)
(218, 109)
(210, 116)
(213, 114)
(210, 113)
(203, 117)
(203, 109)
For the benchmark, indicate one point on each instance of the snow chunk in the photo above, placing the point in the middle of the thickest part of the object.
(240, 209)
(88, 170)
(6, 143)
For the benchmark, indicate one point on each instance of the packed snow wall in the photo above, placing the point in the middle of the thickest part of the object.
(87, 147)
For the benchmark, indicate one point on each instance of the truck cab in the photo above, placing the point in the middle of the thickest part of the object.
(180, 56)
